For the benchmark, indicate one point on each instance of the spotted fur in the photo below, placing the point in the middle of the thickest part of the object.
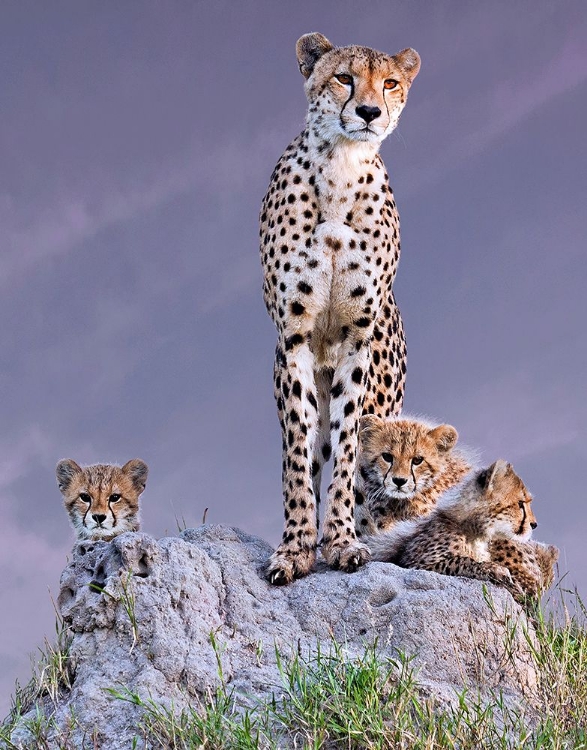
(531, 564)
(102, 500)
(330, 248)
(404, 466)
(455, 538)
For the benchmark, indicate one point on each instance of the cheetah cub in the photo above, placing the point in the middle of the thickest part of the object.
(102, 500)
(455, 539)
(404, 466)
(531, 564)
(329, 249)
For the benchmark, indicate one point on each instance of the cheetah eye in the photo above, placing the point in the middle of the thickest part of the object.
(344, 78)
(85, 497)
(387, 457)
(114, 498)
(417, 460)
(389, 84)
(521, 503)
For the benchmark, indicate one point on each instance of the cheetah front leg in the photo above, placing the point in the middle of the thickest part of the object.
(459, 565)
(297, 405)
(341, 549)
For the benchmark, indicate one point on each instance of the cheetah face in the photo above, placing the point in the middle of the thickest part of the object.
(507, 501)
(355, 93)
(102, 500)
(399, 457)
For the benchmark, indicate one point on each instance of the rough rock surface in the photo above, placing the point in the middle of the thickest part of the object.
(209, 580)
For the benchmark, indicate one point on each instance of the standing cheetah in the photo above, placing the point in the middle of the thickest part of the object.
(330, 247)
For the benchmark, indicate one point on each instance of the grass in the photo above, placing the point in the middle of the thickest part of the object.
(371, 702)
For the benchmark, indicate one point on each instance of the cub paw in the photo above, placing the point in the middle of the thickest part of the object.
(348, 558)
(501, 575)
(285, 564)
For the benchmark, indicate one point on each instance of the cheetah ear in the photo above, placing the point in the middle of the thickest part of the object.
(369, 423)
(445, 437)
(66, 470)
(309, 49)
(487, 478)
(409, 61)
(137, 471)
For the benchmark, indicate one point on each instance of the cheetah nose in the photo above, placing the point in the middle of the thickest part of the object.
(399, 481)
(533, 524)
(99, 517)
(368, 113)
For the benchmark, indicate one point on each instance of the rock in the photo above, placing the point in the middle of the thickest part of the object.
(179, 590)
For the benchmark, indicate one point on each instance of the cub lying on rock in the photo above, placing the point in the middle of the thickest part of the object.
(404, 466)
(456, 537)
(102, 500)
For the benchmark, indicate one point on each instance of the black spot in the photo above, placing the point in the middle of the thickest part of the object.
(304, 288)
(292, 341)
(357, 375)
(297, 308)
(349, 408)
(296, 389)
(358, 291)
(336, 390)
(363, 322)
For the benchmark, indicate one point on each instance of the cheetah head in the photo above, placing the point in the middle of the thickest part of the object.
(102, 500)
(398, 458)
(355, 93)
(505, 501)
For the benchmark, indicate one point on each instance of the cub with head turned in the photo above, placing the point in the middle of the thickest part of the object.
(102, 500)
(330, 248)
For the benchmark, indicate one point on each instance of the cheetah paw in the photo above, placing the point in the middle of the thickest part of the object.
(284, 565)
(348, 558)
(501, 575)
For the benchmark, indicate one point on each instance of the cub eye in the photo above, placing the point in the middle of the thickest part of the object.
(417, 460)
(389, 84)
(114, 498)
(344, 78)
(85, 497)
(387, 457)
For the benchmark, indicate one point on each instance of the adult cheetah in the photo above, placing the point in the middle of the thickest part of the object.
(330, 247)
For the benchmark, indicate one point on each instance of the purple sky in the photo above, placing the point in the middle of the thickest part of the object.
(137, 140)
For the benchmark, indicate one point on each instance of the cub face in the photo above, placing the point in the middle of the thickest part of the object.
(401, 457)
(507, 501)
(355, 93)
(102, 500)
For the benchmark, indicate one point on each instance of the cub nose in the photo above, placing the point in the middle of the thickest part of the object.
(99, 517)
(399, 481)
(533, 524)
(368, 113)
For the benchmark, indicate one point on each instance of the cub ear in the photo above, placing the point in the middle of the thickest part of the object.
(445, 437)
(369, 423)
(309, 49)
(488, 477)
(137, 470)
(409, 61)
(66, 470)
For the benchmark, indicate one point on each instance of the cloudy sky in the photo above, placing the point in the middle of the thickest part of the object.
(137, 140)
